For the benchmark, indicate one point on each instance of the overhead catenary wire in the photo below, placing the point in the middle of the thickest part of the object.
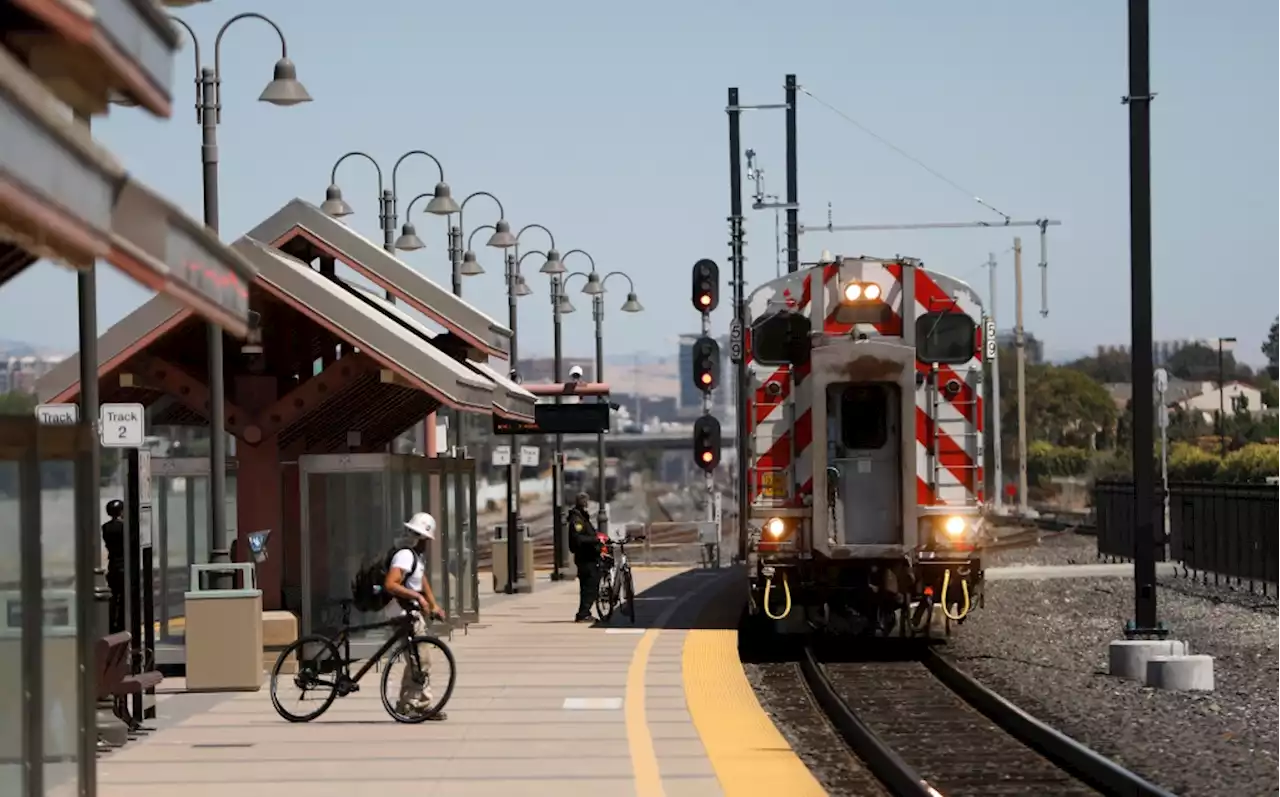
(886, 142)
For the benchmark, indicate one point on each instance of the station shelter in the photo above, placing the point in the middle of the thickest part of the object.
(331, 374)
(67, 200)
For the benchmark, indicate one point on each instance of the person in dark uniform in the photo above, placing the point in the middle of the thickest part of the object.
(113, 538)
(586, 555)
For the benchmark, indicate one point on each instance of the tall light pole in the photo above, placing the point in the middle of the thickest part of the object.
(595, 288)
(516, 288)
(441, 204)
(501, 239)
(284, 89)
(1224, 345)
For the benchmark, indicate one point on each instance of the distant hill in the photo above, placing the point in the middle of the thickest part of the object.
(17, 348)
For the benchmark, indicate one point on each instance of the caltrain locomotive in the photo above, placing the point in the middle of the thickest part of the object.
(865, 457)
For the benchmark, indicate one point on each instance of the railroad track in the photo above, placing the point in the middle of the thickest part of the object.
(924, 727)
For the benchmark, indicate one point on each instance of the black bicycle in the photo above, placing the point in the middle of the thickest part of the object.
(315, 667)
(616, 585)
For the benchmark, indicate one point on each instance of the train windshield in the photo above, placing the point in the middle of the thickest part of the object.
(864, 417)
(945, 338)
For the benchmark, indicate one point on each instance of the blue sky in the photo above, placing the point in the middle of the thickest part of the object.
(605, 122)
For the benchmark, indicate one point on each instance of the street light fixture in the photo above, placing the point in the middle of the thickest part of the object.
(501, 239)
(284, 90)
(595, 288)
(1224, 345)
(441, 204)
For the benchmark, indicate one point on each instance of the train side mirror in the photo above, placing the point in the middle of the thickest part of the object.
(799, 346)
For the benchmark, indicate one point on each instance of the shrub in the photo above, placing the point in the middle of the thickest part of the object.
(1045, 460)
(1251, 464)
(1189, 463)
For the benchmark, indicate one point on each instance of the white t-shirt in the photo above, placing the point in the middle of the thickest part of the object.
(409, 562)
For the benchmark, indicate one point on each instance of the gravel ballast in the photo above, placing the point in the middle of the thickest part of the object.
(1043, 645)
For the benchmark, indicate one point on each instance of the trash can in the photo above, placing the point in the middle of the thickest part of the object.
(61, 726)
(524, 580)
(224, 631)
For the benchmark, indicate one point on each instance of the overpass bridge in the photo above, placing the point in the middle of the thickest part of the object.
(636, 441)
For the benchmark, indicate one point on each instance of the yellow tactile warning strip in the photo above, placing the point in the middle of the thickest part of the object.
(749, 754)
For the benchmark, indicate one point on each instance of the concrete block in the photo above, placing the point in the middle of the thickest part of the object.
(279, 629)
(1181, 673)
(1127, 658)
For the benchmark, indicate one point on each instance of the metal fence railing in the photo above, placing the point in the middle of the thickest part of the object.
(666, 543)
(1224, 532)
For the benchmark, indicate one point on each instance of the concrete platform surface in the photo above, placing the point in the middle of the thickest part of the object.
(543, 706)
(1101, 570)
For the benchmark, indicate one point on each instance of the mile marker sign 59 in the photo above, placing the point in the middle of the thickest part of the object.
(121, 425)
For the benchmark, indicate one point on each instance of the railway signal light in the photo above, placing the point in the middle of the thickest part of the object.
(706, 443)
(706, 364)
(706, 285)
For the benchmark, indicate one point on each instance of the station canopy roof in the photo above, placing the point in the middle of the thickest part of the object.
(510, 400)
(90, 51)
(306, 232)
(326, 303)
(65, 198)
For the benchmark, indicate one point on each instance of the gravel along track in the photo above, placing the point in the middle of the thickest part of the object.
(785, 698)
(956, 749)
(1043, 646)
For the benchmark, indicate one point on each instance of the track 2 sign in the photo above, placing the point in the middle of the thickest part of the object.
(121, 425)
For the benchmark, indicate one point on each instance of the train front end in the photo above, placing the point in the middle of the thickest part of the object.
(865, 468)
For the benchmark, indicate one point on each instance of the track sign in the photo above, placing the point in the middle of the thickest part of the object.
(706, 285)
(706, 364)
(121, 425)
(989, 339)
(501, 456)
(58, 414)
(735, 341)
(529, 456)
(706, 443)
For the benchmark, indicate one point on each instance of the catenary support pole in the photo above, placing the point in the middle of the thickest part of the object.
(793, 181)
(1020, 345)
(997, 441)
(220, 549)
(737, 271)
(1144, 533)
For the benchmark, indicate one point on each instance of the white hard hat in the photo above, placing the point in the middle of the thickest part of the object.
(423, 525)
(575, 370)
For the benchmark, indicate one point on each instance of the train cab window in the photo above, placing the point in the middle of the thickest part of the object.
(945, 338)
(864, 417)
(780, 339)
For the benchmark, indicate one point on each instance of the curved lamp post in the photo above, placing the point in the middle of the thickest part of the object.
(441, 204)
(595, 288)
(501, 239)
(285, 90)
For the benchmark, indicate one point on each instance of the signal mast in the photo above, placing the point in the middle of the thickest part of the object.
(706, 376)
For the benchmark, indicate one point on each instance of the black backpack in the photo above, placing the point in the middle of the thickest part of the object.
(367, 594)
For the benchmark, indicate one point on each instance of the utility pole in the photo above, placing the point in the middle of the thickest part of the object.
(737, 332)
(793, 181)
(997, 448)
(1020, 344)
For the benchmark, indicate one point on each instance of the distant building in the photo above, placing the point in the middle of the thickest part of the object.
(1199, 397)
(542, 370)
(19, 374)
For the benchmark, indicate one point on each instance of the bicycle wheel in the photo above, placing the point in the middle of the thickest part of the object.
(427, 691)
(312, 665)
(605, 598)
(629, 588)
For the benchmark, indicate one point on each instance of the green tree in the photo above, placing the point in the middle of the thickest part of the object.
(1109, 365)
(1271, 348)
(1199, 363)
(17, 402)
(1065, 407)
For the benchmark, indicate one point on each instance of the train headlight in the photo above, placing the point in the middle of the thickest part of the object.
(955, 527)
(775, 527)
(855, 292)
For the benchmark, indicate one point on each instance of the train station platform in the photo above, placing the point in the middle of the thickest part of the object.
(542, 706)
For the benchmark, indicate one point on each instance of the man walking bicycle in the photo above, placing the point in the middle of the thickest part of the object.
(406, 582)
(587, 550)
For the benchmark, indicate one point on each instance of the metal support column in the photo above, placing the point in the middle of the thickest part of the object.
(559, 546)
(514, 543)
(1144, 532)
(738, 280)
(602, 511)
(793, 179)
(997, 444)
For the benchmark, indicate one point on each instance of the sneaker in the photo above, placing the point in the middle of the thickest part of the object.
(582, 618)
(439, 716)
